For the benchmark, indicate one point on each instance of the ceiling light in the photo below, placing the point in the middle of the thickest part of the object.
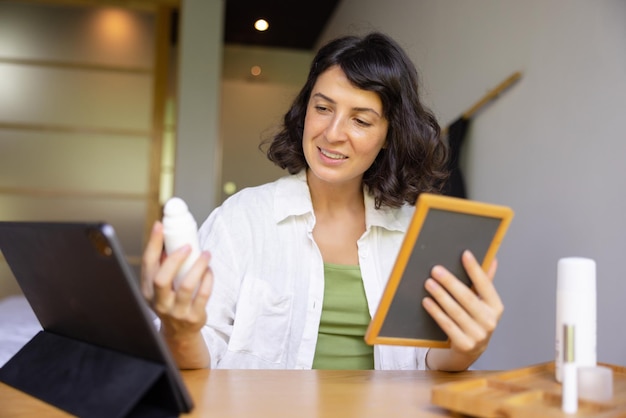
(261, 25)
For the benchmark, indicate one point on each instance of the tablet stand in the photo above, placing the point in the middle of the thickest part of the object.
(89, 381)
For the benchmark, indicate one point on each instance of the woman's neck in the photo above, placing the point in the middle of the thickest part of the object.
(328, 197)
(339, 220)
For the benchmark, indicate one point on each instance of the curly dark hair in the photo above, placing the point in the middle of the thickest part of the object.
(414, 159)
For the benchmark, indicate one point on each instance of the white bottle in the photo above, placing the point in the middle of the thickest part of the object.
(576, 305)
(179, 229)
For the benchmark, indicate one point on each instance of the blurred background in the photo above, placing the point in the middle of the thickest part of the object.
(107, 108)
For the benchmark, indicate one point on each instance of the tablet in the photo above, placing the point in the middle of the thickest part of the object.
(79, 285)
(442, 227)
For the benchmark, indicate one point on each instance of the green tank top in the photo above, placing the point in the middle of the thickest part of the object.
(345, 318)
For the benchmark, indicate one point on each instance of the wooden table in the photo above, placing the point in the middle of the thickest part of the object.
(288, 393)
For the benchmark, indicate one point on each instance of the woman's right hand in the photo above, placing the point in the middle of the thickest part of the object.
(182, 311)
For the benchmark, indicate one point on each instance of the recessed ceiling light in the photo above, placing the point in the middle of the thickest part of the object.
(261, 25)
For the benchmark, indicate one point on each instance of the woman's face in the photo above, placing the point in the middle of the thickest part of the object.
(344, 129)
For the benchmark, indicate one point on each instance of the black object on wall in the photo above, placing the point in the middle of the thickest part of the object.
(455, 186)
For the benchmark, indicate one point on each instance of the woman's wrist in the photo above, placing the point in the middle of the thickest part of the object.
(188, 349)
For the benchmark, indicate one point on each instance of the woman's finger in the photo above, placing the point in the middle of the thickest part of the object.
(188, 286)
(466, 335)
(461, 312)
(483, 284)
(164, 293)
(151, 259)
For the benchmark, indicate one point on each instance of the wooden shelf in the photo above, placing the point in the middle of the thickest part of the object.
(527, 392)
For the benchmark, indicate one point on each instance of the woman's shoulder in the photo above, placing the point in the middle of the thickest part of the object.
(394, 218)
(251, 208)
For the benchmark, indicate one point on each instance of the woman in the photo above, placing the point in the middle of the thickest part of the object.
(297, 266)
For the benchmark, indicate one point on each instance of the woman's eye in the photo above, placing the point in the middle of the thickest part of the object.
(361, 122)
(321, 108)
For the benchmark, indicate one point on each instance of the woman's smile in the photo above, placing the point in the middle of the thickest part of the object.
(335, 156)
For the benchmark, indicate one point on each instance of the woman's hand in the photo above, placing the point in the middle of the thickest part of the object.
(467, 316)
(182, 311)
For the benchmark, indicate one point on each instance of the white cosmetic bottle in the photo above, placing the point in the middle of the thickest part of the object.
(576, 306)
(179, 229)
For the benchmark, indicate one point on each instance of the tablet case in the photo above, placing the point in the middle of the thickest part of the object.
(99, 354)
(442, 227)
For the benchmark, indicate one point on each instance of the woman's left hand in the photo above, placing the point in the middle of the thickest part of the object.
(467, 315)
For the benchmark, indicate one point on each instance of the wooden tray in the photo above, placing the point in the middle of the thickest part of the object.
(524, 393)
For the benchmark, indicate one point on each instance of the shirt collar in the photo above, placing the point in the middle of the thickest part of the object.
(293, 198)
(392, 219)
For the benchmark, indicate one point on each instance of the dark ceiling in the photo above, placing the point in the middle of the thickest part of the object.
(294, 24)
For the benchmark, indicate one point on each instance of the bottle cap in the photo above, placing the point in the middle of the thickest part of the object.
(576, 274)
(176, 216)
(175, 206)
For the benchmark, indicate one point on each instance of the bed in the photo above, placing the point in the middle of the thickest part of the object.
(18, 324)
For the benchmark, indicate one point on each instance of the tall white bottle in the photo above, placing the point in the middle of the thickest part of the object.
(179, 229)
(576, 306)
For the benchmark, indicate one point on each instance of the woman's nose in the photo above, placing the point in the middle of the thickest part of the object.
(336, 129)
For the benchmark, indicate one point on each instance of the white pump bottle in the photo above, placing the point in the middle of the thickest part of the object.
(576, 305)
(179, 229)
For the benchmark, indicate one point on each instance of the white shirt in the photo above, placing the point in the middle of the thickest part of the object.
(265, 307)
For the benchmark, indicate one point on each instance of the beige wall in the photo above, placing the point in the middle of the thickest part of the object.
(252, 108)
(76, 105)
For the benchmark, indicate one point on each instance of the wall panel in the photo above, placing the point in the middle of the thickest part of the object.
(77, 117)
